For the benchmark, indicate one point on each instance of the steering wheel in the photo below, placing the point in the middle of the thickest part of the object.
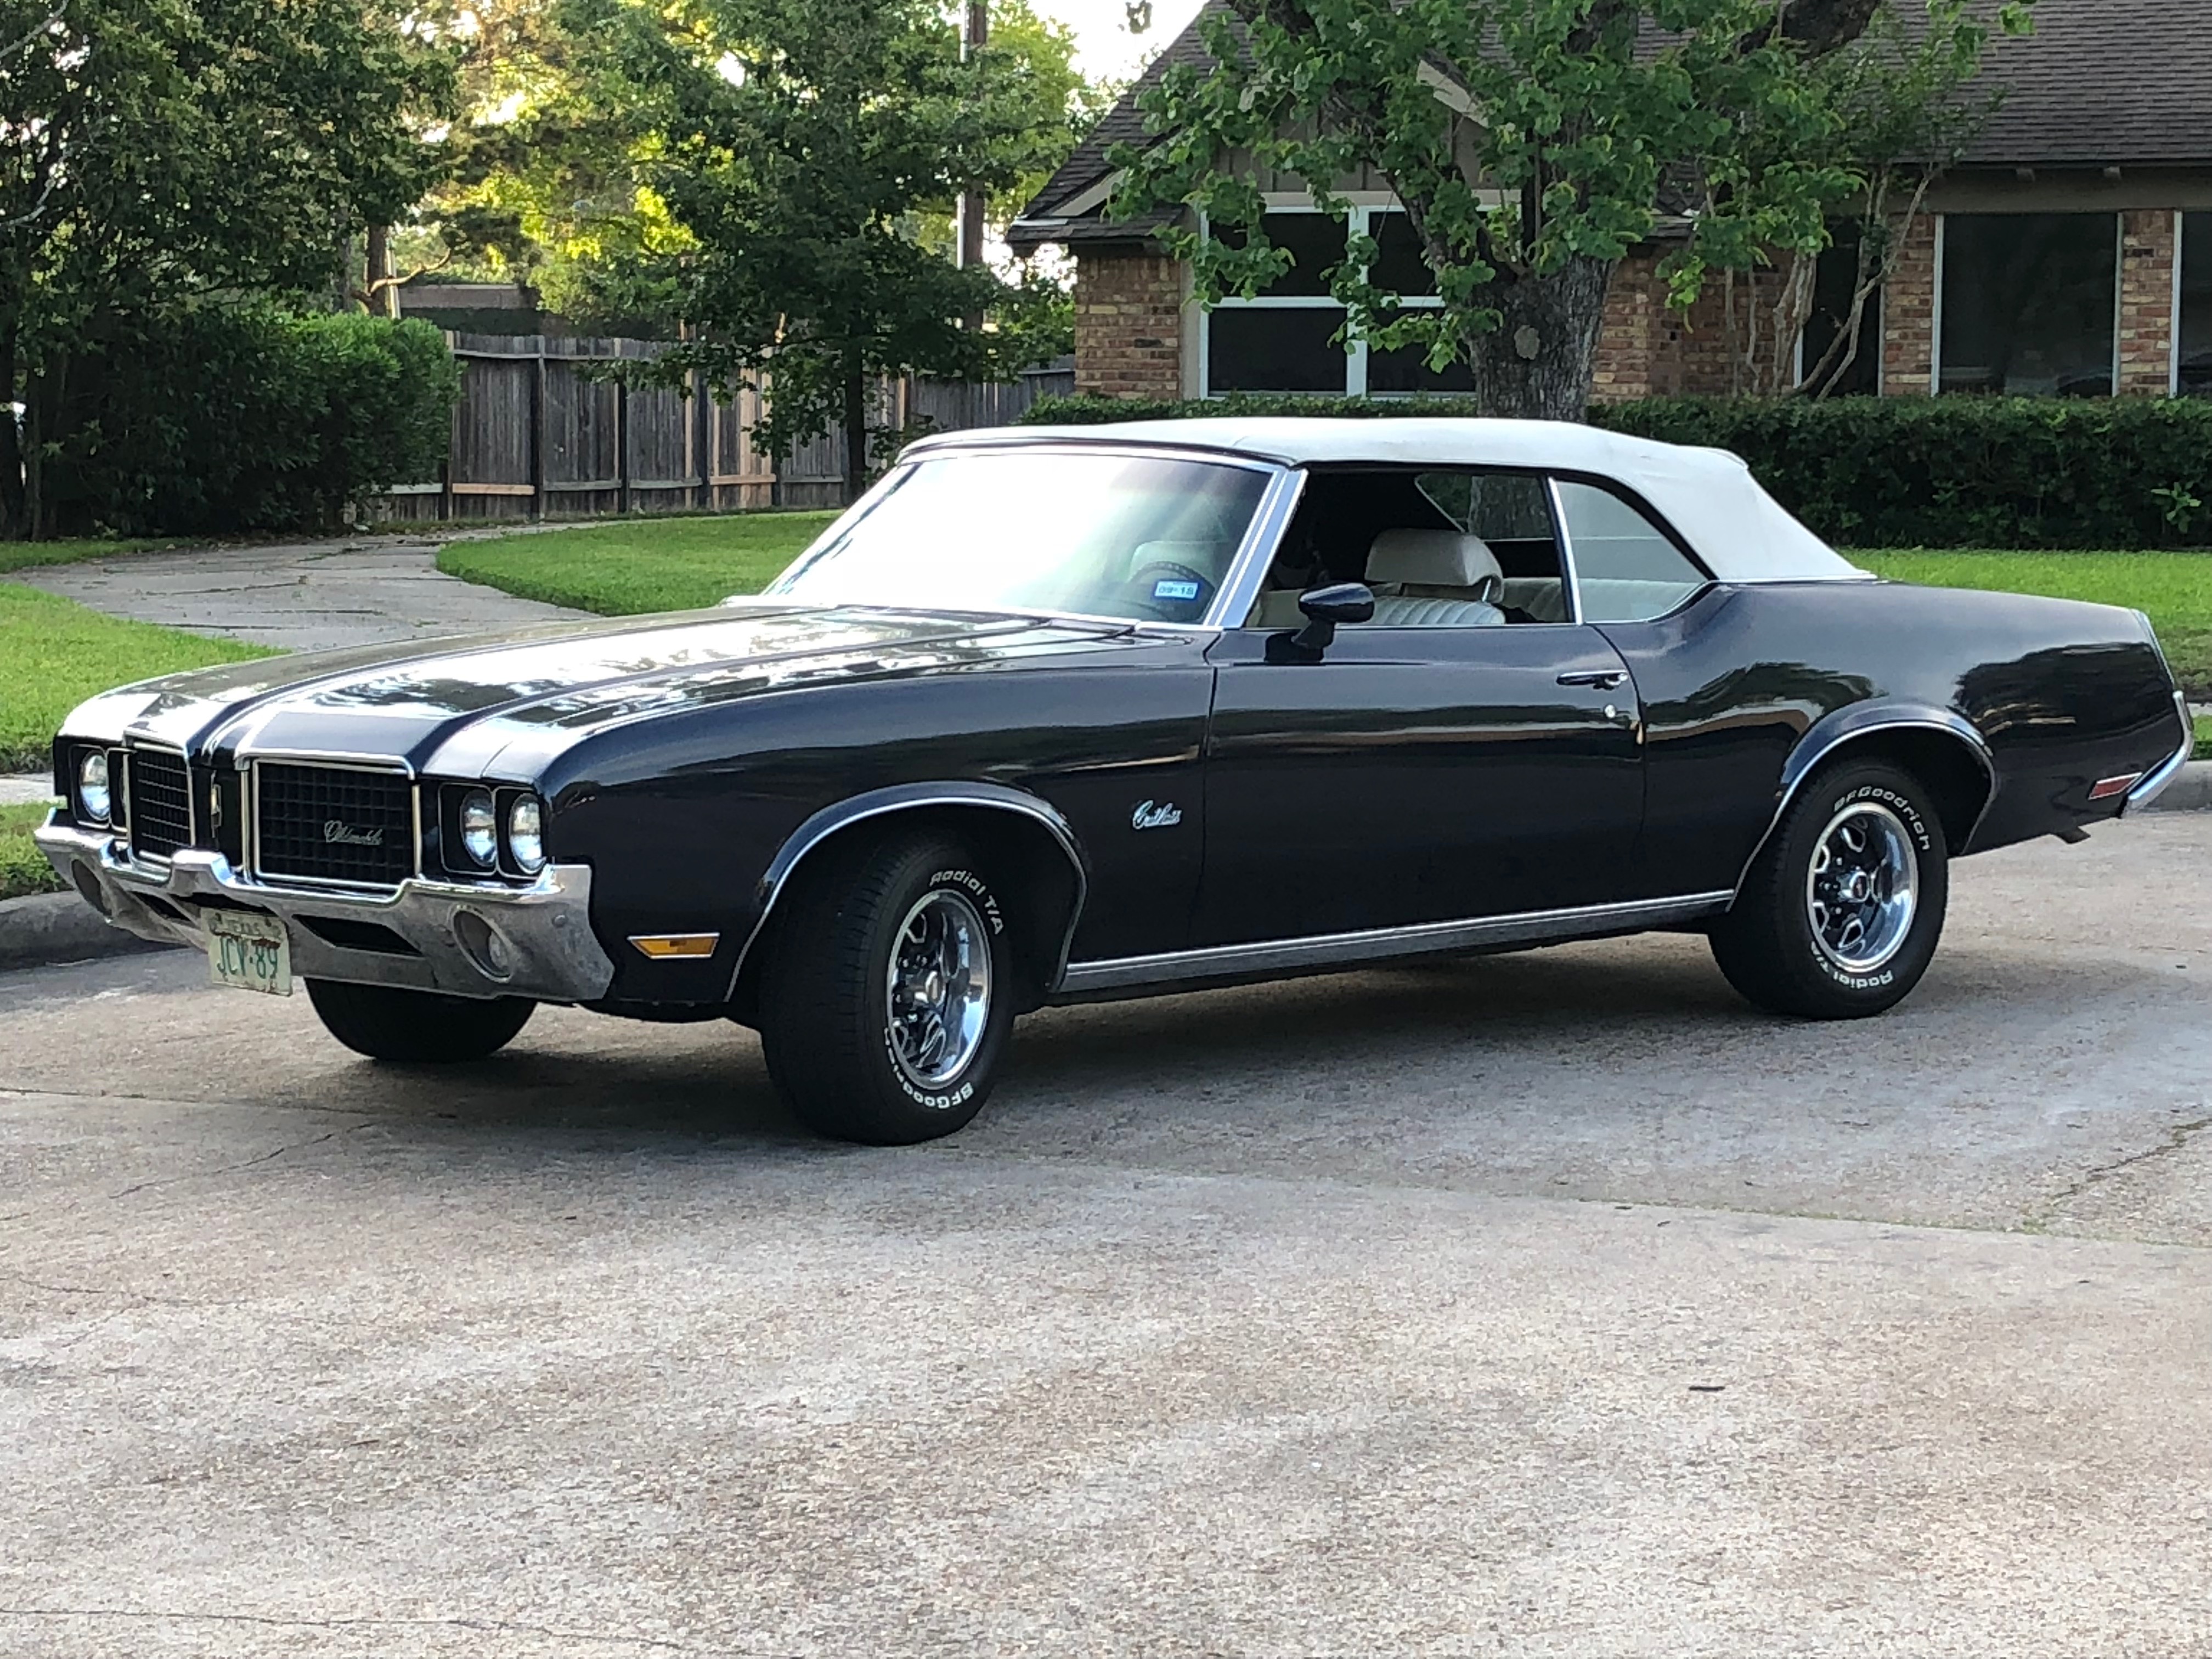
(1188, 593)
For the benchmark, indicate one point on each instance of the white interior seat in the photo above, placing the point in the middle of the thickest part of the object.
(1435, 579)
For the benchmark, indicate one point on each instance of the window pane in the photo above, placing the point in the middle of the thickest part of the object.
(1835, 280)
(1313, 241)
(1398, 263)
(2029, 302)
(1407, 370)
(1267, 350)
(1627, 568)
(2197, 305)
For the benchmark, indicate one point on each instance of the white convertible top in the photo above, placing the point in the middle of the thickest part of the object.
(1743, 534)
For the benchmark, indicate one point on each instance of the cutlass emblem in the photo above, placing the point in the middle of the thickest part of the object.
(1165, 816)
(337, 832)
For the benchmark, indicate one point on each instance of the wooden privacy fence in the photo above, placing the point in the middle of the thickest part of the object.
(545, 429)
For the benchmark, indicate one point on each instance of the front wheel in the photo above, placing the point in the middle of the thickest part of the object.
(888, 992)
(1842, 908)
(386, 1022)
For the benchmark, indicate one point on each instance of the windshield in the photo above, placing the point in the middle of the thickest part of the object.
(1142, 537)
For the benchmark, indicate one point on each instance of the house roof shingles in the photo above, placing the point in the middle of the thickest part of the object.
(2104, 83)
(2100, 83)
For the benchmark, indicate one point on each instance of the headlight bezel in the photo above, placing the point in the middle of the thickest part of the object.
(82, 791)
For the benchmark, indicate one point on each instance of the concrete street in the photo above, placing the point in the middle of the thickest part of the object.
(1554, 1304)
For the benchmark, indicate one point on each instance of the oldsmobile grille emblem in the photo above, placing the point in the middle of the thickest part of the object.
(337, 832)
(1165, 816)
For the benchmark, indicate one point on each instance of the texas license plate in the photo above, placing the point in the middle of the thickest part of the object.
(252, 953)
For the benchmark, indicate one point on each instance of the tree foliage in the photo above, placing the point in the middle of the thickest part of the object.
(1533, 143)
(802, 148)
(160, 154)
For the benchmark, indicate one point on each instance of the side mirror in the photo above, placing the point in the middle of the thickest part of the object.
(1324, 608)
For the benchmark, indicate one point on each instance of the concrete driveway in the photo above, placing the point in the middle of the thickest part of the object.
(301, 596)
(1545, 1305)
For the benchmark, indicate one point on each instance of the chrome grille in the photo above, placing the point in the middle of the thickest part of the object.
(333, 824)
(160, 815)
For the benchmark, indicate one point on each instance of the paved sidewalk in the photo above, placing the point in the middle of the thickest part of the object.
(303, 596)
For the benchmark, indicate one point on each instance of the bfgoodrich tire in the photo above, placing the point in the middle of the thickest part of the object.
(419, 1027)
(1843, 909)
(888, 992)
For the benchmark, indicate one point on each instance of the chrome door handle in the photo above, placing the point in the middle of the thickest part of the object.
(1600, 679)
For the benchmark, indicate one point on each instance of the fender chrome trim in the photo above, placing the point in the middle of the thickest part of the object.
(908, 797)
(1849, 724)
(1326, 951)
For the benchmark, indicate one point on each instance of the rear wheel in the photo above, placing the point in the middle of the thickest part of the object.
(888, 992)
(1843, 909)
(386, 1022)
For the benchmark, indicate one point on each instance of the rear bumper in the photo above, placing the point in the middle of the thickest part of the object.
(434, 935)
(2154, 784)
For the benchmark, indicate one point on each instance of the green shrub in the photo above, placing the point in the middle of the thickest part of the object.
(2001, 472)
(217, 420)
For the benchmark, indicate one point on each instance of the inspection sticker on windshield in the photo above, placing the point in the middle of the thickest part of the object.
(252, 952)
(1184, 591)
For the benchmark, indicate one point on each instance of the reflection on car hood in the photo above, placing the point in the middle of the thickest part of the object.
(562, 677)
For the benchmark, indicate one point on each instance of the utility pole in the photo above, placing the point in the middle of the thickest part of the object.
(974, 35)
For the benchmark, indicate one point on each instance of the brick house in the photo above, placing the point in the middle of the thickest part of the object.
(2070, 255)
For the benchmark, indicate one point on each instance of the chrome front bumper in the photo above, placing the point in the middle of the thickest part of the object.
(443, 929)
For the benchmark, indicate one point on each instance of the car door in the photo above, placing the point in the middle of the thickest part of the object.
(1416, 774)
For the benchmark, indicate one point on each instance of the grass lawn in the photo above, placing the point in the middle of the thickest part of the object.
(639, 565)
(23, 867)
(55, 654)
(2174, 589)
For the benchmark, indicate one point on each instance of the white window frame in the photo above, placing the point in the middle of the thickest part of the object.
(2120, 290)
(1365, 207)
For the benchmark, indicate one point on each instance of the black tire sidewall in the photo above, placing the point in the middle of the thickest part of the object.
(1837, 990)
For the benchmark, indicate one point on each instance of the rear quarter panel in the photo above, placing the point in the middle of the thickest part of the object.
(2064, 694)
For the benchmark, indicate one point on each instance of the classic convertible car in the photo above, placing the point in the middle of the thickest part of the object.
(1054, 715)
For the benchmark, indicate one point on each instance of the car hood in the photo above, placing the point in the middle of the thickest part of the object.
(457, 704)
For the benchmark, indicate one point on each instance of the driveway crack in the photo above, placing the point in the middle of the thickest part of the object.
(2176, 1139)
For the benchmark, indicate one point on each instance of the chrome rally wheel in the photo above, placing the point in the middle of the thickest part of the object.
(1862, 887)
(936, 992)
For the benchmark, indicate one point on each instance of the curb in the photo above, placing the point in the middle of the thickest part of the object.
(51, 927)
(2190, 793)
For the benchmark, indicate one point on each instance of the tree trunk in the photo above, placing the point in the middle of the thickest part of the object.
(14, 525)
(856, 432)
(1541, 361)
(383, 293)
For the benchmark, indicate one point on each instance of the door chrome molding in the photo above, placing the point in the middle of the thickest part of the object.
(1382, 944)
(908, 798)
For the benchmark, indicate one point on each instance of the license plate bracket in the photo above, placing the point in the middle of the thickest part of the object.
(248, 951)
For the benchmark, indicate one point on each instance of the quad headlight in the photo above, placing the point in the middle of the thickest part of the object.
(480, 829)
(94, 800)
(525, 834)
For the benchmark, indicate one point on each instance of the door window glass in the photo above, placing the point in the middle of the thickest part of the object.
(1627, 568)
